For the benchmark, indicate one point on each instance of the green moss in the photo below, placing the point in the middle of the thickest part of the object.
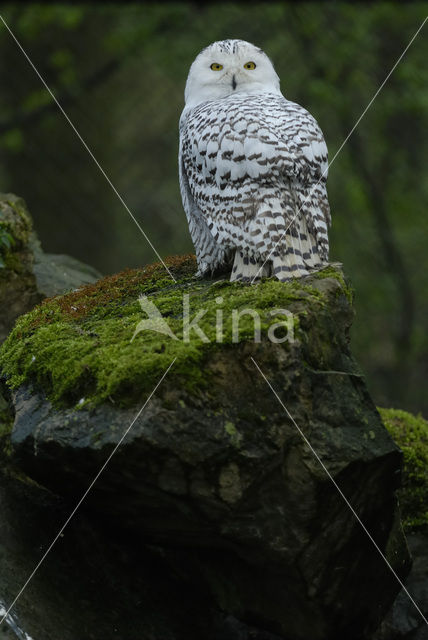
(77, 347)
(15, 219)
(15, 230)
(411, 435)
(233, 433)
(333, 272)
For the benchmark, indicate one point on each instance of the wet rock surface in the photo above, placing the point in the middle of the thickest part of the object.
(98, 580)
(403, 621)
(217, 479)
(91, 586)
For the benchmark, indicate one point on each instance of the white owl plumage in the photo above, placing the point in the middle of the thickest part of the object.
(253, 169)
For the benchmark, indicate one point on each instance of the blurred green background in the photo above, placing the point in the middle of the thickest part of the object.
(119, 72)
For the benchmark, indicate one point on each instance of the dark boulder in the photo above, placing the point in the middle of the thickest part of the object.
(214, 471)
(404, 621)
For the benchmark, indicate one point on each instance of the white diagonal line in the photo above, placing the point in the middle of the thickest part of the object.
(377, 92)
(43, 558)
(85, 145)
(339, 490)
(347, 138)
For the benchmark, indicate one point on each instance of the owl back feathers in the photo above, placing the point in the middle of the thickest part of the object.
(252, 176)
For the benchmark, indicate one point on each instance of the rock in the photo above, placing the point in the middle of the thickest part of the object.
(27, 274)
(18, 288)
(213, 471)
(96, 582)
(411, 434)
(91, 586)
(233, 629)
(58, 273)
(403, 621)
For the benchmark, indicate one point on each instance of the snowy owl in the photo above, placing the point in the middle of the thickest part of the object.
(253, 169)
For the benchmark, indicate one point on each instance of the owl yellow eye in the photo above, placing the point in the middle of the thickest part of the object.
(250, 65)
(216, 66)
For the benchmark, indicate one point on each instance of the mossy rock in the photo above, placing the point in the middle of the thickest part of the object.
(78, 347)
(213, 469)
(15, 225)
(411, 434)
(27, 274)
(18, 287)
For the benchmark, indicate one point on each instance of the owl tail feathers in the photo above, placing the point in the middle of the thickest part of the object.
(301, 254)
(247, 269)
(286, 265)
(298, 253)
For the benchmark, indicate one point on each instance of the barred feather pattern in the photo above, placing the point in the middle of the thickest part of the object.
(253, 172)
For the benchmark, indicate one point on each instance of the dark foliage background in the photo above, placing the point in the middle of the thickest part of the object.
(119, 72)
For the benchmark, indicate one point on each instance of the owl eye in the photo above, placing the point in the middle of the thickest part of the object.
(216, 66)
(250, 65)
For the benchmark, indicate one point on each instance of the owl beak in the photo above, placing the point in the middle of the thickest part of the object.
(233, 83)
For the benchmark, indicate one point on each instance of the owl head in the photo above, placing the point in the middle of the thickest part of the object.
(229, 67)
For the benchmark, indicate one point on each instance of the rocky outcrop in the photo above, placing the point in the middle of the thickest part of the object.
(58, 273)
(404, 621)
(214, 473)
(18, 287)
(93, 584)
(411, 434)
(27, 274)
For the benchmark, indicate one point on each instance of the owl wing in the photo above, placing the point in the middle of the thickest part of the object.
(210, 256)
(304, 139)
(285, 146)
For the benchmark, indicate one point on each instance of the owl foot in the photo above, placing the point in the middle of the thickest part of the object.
(215, 268)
